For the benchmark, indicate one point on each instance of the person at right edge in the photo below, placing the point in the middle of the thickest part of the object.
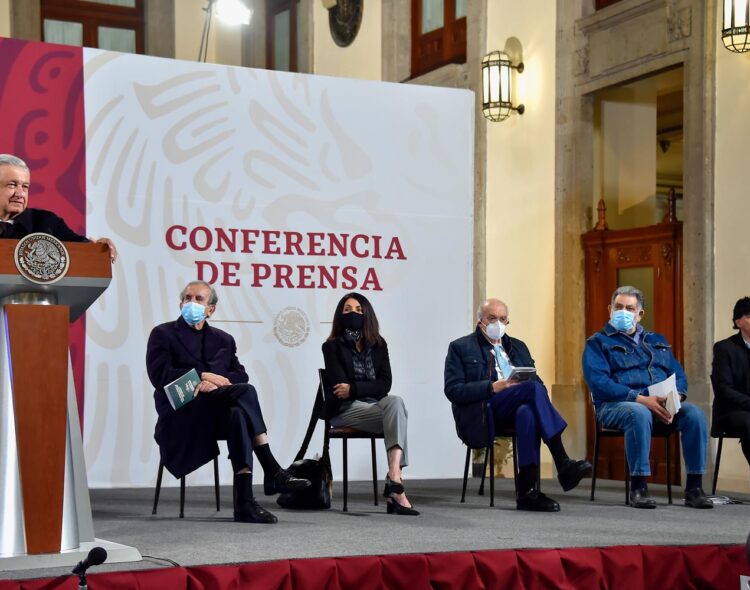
(730, 378)
(620, 362)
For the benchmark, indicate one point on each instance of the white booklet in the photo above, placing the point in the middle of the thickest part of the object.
(667, 389)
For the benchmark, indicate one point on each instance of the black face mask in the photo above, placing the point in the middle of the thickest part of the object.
(352, 320)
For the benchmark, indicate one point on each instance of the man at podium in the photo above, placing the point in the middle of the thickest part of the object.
(17, 220)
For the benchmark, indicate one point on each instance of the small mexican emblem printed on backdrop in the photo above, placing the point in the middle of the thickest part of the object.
(291, 326)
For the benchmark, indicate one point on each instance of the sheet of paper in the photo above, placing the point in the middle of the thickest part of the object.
(667, 389)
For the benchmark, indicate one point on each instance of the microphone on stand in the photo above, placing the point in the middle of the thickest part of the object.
(97, 556)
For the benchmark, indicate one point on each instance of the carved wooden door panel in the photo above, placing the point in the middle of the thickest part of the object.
(650, 259)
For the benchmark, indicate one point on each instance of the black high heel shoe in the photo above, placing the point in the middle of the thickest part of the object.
(394, 507)
(392, 487)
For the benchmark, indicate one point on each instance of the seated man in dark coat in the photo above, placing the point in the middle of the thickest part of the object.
(225, 406)
(17, 221)
(477, 378)
(730, 378)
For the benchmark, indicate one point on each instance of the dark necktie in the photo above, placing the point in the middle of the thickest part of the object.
(5, 228)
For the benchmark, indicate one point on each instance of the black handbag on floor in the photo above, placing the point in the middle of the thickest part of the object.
(317, 496)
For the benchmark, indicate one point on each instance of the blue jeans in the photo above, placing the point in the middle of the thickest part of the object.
(528, 407)
(637, 421)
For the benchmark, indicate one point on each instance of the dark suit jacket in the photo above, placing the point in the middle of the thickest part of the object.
(186, 437)
(337, 355)
(40, 220)
(730, 376)
(469, 373)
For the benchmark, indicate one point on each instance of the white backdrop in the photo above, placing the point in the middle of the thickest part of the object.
(173, 143)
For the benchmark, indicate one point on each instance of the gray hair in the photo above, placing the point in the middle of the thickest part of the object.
(213, 299)
(629, 292)
(483, 305)
(11, 160)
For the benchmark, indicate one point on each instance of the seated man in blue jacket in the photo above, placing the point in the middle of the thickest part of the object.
(619, 363)
(478, 384)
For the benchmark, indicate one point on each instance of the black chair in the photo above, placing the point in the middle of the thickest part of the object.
(182, 488)
(489, 454)
(659, 431)
(721, 434)
(344, 434)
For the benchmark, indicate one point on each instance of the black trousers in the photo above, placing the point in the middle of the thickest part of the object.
(239, 419)
(737, 423)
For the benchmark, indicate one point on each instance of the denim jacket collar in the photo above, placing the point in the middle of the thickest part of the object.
(610, 330)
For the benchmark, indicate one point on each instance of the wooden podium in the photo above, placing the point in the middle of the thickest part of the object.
(45, 501)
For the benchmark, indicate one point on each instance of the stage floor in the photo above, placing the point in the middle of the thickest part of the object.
(205, 536)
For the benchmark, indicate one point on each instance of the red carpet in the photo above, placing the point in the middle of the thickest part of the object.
(607, 568)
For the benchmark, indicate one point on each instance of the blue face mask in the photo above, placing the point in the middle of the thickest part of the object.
(193, 313)
(622, 320)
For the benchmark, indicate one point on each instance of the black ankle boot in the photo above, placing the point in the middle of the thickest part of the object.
(246, 509)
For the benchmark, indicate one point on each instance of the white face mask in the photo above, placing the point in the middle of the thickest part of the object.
(495, 330)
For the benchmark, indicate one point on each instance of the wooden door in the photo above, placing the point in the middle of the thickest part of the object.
(650, 259)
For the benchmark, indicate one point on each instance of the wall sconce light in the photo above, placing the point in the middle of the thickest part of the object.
(497, 87)
(735, 29)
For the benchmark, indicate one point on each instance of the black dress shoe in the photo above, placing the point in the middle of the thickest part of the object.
(572, 472)
(696, 498)
(282, 481)
(641, 499)
(251, 511)
(536, 501)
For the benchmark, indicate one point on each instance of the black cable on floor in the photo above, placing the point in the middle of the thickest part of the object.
(174, 563)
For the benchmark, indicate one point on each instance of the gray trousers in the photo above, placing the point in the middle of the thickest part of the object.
(387, 416)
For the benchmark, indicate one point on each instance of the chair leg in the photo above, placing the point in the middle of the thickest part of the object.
(596, 463)
(466, 474)
(669, 469)
(374, 472)
(346, 471)
(484, 470)
(716, 469)
(515, 464)
(158, 486)
(492, 474)
(182, 497)
(216, 483)
(627, 482)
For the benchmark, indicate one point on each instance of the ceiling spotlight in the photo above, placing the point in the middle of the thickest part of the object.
(233, 12)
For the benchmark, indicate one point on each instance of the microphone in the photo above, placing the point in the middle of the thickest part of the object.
(97, 556)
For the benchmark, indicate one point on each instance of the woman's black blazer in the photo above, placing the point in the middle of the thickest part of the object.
(337, 355)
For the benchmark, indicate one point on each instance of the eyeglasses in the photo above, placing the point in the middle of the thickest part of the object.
(491, 319)
(630, 308)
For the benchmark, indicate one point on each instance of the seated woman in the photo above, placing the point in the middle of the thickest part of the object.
(358, 379)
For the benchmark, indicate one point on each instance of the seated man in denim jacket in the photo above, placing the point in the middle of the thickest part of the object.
(479, 383)
(619, 364)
